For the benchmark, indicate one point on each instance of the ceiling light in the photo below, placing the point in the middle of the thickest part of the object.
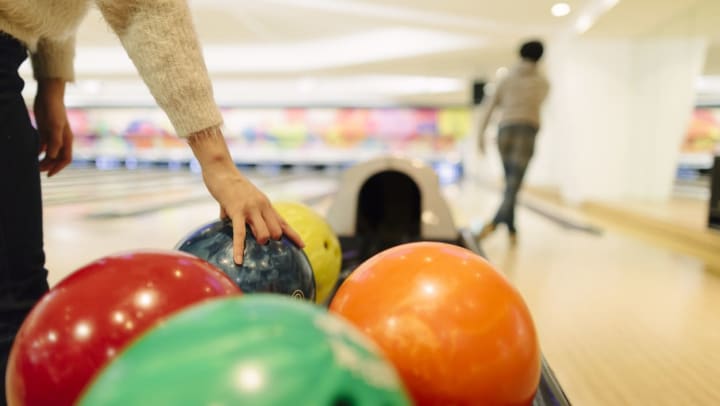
(560, 9)
(583, 24)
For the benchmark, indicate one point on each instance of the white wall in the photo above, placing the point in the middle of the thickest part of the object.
(616, 116)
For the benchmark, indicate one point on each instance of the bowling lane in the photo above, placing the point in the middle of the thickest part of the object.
(96, 223)
(621, 322)
(80, 185)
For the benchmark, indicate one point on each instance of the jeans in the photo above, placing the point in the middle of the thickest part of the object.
(23, 277)
(516, 143)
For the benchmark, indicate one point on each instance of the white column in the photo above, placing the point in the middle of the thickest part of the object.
(616, 115)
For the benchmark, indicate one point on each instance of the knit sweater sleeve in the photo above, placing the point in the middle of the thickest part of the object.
(53, 59)
(159, 36)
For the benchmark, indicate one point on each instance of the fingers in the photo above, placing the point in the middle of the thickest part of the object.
(64, 156)
(273, 222)
(238, 239)
(265, 224)
(240, 200)
(223, 214)
(43, 145)
(50, 145)
(59, 150)
(259, 228)
(292, 234)
(55, 142)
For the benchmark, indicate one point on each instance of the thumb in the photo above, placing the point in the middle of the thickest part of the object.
(42, 147)
(54, 143)
(42, 136)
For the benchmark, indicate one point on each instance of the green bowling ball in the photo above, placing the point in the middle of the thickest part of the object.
(256, 349)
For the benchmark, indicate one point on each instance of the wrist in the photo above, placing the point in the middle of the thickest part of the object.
(210, 149)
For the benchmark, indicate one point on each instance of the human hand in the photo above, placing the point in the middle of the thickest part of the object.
(240, 200)
(56, 136)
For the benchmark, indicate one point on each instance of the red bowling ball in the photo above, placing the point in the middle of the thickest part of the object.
(86, 320)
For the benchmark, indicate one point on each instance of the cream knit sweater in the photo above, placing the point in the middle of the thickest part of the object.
(158, 35)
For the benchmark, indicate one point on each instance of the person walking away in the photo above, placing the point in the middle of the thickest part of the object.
(518, 97)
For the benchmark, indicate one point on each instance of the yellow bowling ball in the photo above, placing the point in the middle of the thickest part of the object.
(321, 244)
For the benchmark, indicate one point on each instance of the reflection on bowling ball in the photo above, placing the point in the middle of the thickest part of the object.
(322, 246)
(456, 330)
(92, 315)
(260, 350)
(276, 267)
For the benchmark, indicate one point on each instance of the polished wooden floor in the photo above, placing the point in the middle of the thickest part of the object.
(622, 321)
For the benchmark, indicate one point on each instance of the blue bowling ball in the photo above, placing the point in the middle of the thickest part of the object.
(276, 267)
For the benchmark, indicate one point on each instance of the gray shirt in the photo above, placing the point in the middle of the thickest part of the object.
(519, 97)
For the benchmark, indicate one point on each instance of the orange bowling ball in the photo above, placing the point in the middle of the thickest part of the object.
(457, 331)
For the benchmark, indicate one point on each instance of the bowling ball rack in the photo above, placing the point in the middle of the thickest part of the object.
(357, 249)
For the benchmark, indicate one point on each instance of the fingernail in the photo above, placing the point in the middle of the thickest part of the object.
(238, 260)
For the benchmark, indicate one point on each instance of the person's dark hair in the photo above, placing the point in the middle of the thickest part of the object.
(532, 51)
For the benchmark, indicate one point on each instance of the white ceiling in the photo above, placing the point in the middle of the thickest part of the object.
(294, 49)
(272, 37)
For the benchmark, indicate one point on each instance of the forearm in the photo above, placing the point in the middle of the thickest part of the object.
(484, 121)
(51, 87)
(492, 103)
(160, 38)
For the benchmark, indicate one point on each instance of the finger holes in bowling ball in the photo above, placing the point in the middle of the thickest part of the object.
(326, 244)
(343, 400)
